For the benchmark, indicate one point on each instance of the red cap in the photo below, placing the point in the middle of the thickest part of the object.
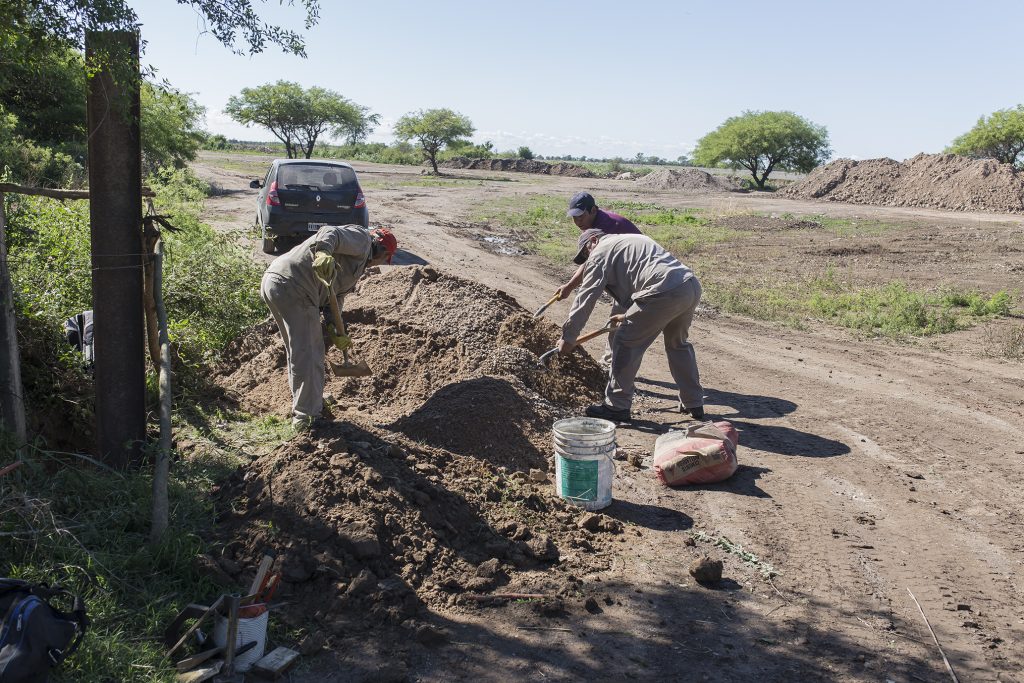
(387, 238)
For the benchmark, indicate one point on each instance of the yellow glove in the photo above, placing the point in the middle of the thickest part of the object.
(342, 341)
(323, 266)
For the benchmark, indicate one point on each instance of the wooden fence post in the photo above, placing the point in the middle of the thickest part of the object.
(162, 462)
(12, 403)
(115, 214)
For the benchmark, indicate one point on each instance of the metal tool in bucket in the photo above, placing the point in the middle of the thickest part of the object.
(584, 469)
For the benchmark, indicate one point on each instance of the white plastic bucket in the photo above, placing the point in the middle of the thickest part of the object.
(584, 469)
(248, 631)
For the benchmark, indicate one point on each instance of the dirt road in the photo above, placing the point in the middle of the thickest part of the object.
(869, 470)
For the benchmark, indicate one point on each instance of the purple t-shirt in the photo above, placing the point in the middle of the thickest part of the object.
(614, 224)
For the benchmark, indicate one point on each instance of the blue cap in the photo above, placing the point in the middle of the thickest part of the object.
(580, 203)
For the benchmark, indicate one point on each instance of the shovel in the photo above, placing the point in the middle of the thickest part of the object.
(543, 308)
(348, 368)
(547, 356)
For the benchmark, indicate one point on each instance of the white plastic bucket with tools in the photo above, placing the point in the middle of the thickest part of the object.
(584, 469)
(249, 630)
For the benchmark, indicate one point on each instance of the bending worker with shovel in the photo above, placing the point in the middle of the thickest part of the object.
(299, 283)
(659, 295)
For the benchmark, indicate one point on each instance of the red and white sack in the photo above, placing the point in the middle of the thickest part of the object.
(703, 454)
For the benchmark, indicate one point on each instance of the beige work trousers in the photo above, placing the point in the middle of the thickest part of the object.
(670, 314)
(298, 318)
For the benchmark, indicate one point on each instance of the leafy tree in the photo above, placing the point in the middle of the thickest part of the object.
(683, 160)
(525, 152)
(297, 116)
(1000, 136)
(171, 133)
(235, 23)
(433, 129)
(762, 141)
(359, 128)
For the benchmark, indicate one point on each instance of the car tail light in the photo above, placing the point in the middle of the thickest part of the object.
(360, 200)
(272, 198)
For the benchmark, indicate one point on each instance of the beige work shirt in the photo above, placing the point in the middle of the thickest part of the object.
(628, 267)
(351, 247)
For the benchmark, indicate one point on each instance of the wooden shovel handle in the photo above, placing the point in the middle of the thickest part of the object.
(596, 333)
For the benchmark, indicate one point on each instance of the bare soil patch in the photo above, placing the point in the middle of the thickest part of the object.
(942, 181)
(832, 426)
(765, 223)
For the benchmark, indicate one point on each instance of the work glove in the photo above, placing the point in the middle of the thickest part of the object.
(323, 266)
(342, 341)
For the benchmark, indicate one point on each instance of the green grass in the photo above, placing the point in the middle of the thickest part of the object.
(850, 227)
(553, 235)
(64, 521)
(891, 310)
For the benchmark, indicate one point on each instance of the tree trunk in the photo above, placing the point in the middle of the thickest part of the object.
(433, 162)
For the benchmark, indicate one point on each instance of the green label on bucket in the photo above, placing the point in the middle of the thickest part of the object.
(579, 478)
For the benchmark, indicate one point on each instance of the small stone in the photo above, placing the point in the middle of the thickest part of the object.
(706, 570)
(914, 475)
(538, 477)
(963, 607)
(489, 568)
(635, 459)
(591, 606)
(431, 636)
(312, 643)
(364, 583)
(689, 541)
(589, 521)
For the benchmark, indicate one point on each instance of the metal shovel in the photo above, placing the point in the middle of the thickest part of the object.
(348, 368)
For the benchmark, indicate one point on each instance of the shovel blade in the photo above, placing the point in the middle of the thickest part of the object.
(360, 369)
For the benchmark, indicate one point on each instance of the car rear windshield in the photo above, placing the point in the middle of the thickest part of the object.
(315, 176)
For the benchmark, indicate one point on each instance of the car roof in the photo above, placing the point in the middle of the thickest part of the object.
(319, 162)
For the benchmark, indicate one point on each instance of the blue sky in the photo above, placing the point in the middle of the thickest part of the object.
(609, 79)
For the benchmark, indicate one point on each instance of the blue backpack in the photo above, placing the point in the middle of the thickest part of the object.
(35, 636)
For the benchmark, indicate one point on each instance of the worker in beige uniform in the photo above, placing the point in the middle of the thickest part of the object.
(660, 296)
(294, 289)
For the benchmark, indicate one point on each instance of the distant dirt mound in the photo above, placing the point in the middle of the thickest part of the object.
(518, 165)
(937, 181)
(688, 179)
(419, 493)
(422, 332)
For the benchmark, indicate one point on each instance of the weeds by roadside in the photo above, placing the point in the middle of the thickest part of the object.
(766, 570)
(63, 519)
(1005, 343)
(891, 310)
(553, 235)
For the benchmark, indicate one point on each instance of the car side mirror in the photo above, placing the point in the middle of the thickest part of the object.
(255, 184)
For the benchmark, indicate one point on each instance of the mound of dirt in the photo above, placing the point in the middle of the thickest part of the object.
(423, 333)
(519, 165)
(420, 495)
(688, 179)
(938, 181)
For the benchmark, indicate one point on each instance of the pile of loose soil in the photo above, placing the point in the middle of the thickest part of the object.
(433, 487)
(454, 362)
(689, 179)
(520, 165)
(938, 181)
(368, 527)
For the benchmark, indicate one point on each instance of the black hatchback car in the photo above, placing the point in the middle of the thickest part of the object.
(299, 196)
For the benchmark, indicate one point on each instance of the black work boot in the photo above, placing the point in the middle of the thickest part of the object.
(696, 413)
(606, 412)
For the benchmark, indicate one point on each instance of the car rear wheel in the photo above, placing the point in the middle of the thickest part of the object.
(269, 243)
